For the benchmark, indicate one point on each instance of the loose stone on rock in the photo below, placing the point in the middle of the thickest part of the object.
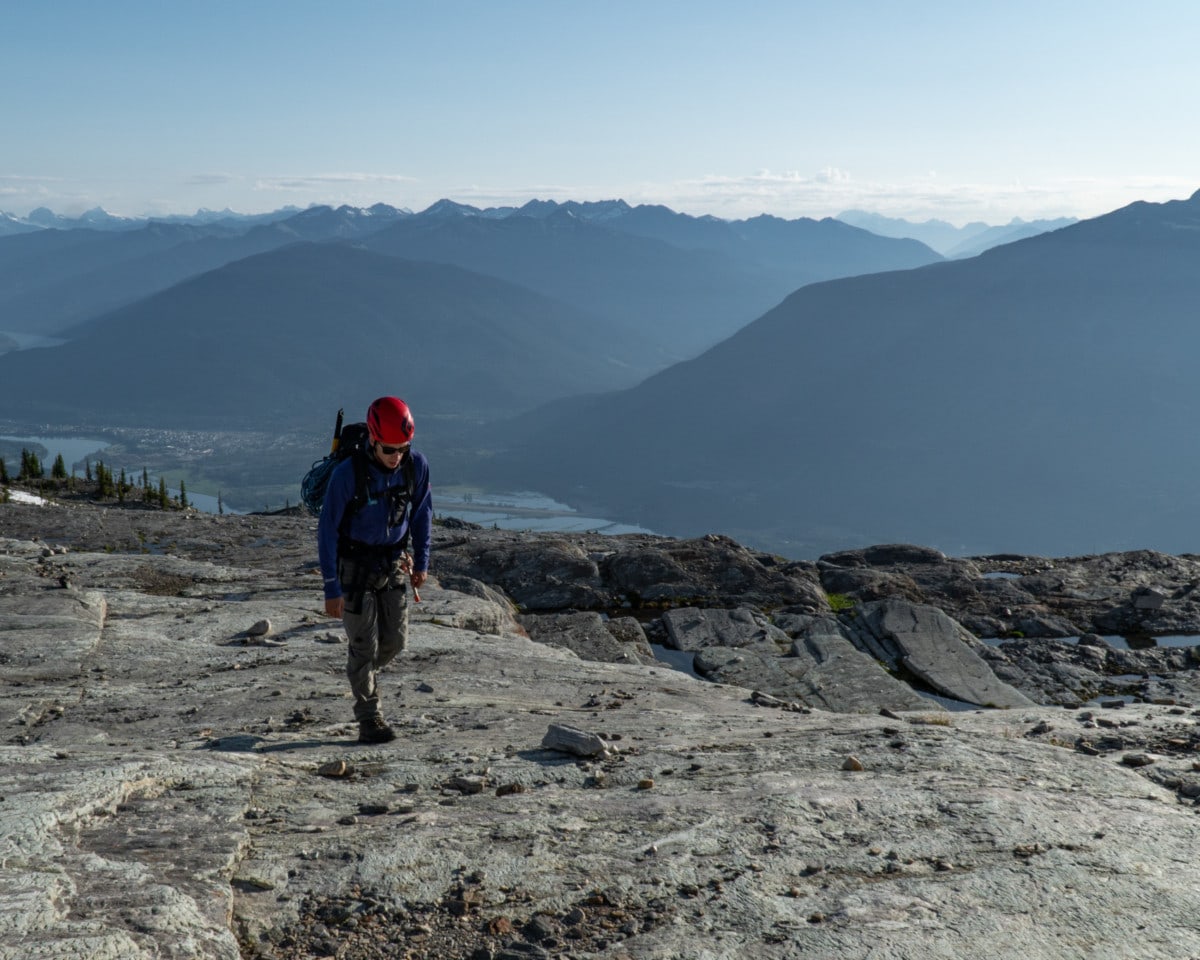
(466, 784)
(508, 789)
(566, 739)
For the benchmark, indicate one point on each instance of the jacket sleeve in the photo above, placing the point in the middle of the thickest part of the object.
(337, 496)
(422, 517)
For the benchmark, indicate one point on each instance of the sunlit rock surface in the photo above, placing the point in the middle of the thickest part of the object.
(177, 784)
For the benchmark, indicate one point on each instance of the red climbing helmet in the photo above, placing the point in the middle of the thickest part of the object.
(389, 421)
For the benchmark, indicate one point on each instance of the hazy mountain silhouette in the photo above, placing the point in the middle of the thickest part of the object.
(683, 300)
(799, 251)
(277, 339)
(10, 225)
(1039, 397)
(968, 240)
(97, 219)
(1017, 229)
(802, 250)
(55, 279)
(688, 281)
(939, 235)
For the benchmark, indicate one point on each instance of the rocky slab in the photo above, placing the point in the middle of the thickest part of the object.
(182, 787)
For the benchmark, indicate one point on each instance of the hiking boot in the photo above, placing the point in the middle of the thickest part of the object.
(375, 730)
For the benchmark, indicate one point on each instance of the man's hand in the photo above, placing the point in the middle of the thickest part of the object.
(335, 607)
(418, 579)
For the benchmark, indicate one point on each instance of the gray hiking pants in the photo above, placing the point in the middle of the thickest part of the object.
(376, 622)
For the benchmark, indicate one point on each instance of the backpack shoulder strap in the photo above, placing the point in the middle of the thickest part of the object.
(405, 501)
(362, 494)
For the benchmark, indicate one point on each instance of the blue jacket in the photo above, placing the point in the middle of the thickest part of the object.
(369, 524)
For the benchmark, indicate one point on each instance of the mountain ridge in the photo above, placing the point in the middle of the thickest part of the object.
(950, 241)
(358, 322)
(884, 407)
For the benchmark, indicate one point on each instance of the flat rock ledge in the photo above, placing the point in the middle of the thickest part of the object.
(177, 785)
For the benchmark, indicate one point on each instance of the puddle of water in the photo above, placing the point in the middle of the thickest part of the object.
(679, 660)
(1188, 640)
(1117, 642)
(955, 706)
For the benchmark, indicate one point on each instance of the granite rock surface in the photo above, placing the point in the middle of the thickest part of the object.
(180, 782)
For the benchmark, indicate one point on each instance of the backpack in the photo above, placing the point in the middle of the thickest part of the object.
(351, 440)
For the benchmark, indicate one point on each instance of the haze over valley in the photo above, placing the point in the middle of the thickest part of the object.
(802, 385)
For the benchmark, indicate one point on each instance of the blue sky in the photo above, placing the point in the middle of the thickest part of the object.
(954, 110)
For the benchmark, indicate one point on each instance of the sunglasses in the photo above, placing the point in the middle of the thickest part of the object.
(392, 451)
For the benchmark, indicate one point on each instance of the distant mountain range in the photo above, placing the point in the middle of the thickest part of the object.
(686, 281)
(801, 385)
(139, 305)
(950, 241)
(100, 219)
(281, 339)
(1040, 397)
(54, 279)
(690, 281)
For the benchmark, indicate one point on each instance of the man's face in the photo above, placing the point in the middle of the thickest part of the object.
(390, 456)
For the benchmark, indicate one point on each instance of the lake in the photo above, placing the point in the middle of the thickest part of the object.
(29, 341)
(520, 510)
(524, 510)
(74, 450)
(78, 451)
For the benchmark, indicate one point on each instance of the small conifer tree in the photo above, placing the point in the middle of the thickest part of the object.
(31, 467)
(183, 501)
(4, 473)
(87, 470)
(220, 505)
(104, 484)
(122, 486)
(163, 498)
(59, 470)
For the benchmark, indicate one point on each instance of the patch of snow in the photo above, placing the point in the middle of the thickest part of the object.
(20, 496)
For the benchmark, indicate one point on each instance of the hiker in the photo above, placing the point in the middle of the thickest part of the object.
(378, 500)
